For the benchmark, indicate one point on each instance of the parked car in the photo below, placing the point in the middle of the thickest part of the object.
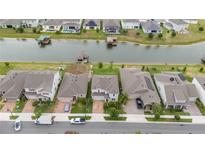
(17, 125)
(77, 121)
(67, 108)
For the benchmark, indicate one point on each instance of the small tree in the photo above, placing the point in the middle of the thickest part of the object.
(20, 30)
(157, 110)
(201, 29)
(173, 34)
(143, 67)
(123, 65)
(160, 35)
(34, 30)
(97, 30)
(201, 69)
(150, 35)
(184, 69)
(177, 117)
(100, 65)
(138, 33)
(7, 64)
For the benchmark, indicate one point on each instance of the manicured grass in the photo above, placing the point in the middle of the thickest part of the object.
(44, 107)
(174, 112)
(14, 117)
(200, 106)
(29, 66)
(80, 106)
(115, 118)
(106, 69)
(86, 117)
(19, 106)
(168, 120)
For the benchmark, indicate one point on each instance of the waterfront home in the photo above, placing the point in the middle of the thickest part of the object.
(71, 26)
(199, 82)
(111, 26)
(139, 87)
(105, 87)
(91, 24)
(72, 87)
(191, 21)
(130, 23)
(30, 23)
(32, 84)
(179, 25)
(150, 27)
(174, 90)
(11, 23)
(52, 25)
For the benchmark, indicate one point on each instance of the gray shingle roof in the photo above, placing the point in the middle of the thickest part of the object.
(106, 82)
(201, 81)
(73, 85)
(138, 84)
(111, 22)
(150, 25)
(177, 21)
(92, 22)
(131, 20)
(12, 21)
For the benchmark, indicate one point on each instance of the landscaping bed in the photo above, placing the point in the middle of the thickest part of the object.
(109, 118)
(20, 105)
(168, 120)
(200, 106)
(85, 117)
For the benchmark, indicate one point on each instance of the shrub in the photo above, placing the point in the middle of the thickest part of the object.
(201, 69)
(157, 110)
(34, 30)
(150, 35)
(143, 67)
(173, 34)
(35, 103)
(201, 29)
(97, 30)
(100, 65)
(184, 69)
(177, 117)
(172, 68)
(84, 30)
(156, 115)
(160, 35)
(138, 33)
(6, 64)
(123, 65)
(57, 32)
(114, 112)
(20, 30)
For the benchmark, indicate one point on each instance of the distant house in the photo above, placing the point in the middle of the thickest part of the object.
(179, 25)
(52, 25)
(72, 87)
(199, 82)
(139, 86)
(175, 91)
(11, 23)
(71, 26)
(150, 27)
(105, 87)
(33, 84)
(91, 24)
(111, 26)
(130, 23)
(30, 23)
(191, 21)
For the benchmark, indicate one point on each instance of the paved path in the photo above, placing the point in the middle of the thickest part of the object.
(99, 117)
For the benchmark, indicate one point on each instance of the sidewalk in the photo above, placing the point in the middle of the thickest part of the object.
(100, 117)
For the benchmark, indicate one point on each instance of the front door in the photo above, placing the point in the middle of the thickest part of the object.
(74, 98)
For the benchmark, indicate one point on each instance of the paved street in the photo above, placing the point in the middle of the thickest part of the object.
(103, 127)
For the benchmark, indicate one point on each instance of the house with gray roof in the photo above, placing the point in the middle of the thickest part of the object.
(174, 90)
(111, 26)
(71, 26)
(130, 23)
(179, 25)
(91, 24)
(139, 87)
(105, 87)
(150, 26)
(52, 25)
(199, 82)
(11, 23)
(72, 87)
(33, 84)
(30, 23)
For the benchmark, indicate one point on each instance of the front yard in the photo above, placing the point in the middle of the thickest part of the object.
(168, 120)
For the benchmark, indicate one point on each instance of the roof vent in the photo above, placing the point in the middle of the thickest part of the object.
(171, 79)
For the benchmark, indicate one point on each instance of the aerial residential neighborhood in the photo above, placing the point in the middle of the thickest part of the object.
(110, 71)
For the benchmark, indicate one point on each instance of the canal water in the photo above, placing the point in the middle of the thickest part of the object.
(12, 49)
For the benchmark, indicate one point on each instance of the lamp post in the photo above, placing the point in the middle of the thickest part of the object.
(10, 112)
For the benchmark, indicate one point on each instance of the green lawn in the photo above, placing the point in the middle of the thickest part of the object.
(168, 120)
(19, 106)
(200, 106)
(80, 106)
(107, 69)
(174, 112)
(13, 117)
(43, 107)
(115, 118)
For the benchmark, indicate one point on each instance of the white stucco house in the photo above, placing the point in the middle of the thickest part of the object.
(199, 82)
(52, 25)
(130, 24)
(105, 87)
(179, 25)
(151, 27)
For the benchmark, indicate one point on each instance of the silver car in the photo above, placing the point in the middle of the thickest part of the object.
(67, 108)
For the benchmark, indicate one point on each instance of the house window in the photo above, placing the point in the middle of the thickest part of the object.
(113, 94)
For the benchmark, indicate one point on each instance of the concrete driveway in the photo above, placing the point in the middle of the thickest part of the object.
(131, 108)
(8, 105)
(59, 107)
(193, 110)
(98, 107)
(28, 108)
